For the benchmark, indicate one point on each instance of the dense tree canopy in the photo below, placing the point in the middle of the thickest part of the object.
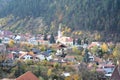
(101, 15)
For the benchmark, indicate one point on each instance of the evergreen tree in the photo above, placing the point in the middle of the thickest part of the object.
(86, 56)
(79, 41)
(52, 39)
(45, 37)
(74, 41)
(0, 40)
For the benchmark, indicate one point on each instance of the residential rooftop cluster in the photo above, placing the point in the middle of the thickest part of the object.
(57, 57)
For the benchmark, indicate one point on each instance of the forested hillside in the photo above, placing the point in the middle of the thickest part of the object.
(101, 15)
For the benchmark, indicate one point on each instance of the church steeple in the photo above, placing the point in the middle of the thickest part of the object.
(59, 31)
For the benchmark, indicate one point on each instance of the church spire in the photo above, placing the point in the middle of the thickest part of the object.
(59, 31)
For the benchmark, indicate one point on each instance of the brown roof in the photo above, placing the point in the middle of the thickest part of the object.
(116, 73)
(27, 76)
(97, 59)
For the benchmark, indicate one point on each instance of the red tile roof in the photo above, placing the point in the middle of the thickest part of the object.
(27, 76)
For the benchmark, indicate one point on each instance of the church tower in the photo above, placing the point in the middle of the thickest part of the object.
(59, 31)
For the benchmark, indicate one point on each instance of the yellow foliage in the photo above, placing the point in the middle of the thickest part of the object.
(68, 78)
(11, 43)
(97, 36)
(76, 33)
(56, 65)
(75, 77)
(104, 47)
(75, 50)
(31, 46)
(116, 52)
(43, 47)
(49, 72)
(63, 32)
(80, 32)
(94, 49)
(83, 52)
(68, 30)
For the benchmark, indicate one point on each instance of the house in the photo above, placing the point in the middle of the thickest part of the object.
(116, 73)
(17, 38)
(93, 44)
(65, 40)
(65, 74)
(6, 40)
(27, 76)
(91, 57)
(35, 50)
(40, 57)
(33, 41)
(107, 69)
(27, 56)
(44, 55)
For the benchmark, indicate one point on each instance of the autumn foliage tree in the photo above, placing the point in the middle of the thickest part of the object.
(11, 43)
(104, 48)
(116, 52)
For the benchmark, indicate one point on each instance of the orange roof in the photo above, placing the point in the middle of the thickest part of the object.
(27, 76)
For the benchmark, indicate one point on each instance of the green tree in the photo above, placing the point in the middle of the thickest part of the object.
(45, 37)
(79, 41)
(0, 40)
(74, 41)
(86, 56)
(52, 39)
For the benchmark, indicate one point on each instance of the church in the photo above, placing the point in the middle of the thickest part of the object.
(63, 39)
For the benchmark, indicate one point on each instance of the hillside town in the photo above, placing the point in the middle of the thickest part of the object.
(49, 57)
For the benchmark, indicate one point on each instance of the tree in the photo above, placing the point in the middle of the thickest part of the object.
(74, 41)
(94, 50)
(76, 50)
(85, 74)
(49, 73)
(11, 43)
(20, 69)
(45, 37)
(104, 48)
(86, 56)
(0, 40)
(116, 52)
(97, 36)
(52, 39)
(79, 41)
